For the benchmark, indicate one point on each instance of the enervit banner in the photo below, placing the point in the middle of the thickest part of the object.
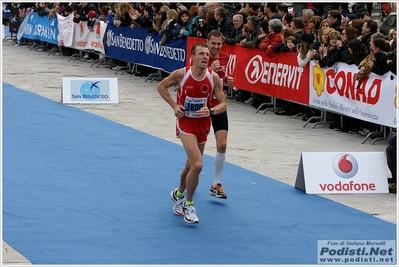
(278, 76)
(138, 47)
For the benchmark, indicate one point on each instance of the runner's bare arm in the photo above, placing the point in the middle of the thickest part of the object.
(221, 98)
(174, 78)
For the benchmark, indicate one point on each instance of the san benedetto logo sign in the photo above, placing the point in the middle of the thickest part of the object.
(342, 172)
(90, 90)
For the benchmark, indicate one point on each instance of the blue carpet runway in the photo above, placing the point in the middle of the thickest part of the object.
(81, 189)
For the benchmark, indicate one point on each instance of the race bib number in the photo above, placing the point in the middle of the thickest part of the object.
(192, 105)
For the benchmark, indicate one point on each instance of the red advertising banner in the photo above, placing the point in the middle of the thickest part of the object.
(278, 76)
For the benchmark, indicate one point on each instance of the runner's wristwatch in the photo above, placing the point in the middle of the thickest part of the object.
(211, 112)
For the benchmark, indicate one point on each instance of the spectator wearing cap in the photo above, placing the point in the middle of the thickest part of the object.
(92, 16)
(334, 17)
(306, 51)
(84, 10)
(297, 25)
(224, 23)
(273, 38)
(251, 40)
(286, 20)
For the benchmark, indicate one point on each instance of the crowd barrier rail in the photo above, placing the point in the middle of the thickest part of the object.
(332, 89)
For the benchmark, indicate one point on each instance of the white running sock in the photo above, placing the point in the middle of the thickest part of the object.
(220, 158)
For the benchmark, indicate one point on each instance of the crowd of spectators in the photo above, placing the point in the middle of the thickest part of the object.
(325, 32)
(328, 33)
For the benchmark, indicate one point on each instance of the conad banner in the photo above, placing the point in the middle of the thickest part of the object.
(336, 89)
(278, 76)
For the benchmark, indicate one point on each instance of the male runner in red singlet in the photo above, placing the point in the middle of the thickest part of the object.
(197, 86)
(218, 62)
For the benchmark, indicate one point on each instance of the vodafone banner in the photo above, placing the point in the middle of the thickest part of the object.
(342, 172)
(278, 76)
(336, 89)
(91, 40)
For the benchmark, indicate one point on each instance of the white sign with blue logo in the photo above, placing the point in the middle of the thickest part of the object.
(342, 172)
(90, 90)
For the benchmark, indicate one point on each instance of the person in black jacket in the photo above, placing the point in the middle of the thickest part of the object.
(391, 160)
(330, 54)
(236, 35)
(225, 25)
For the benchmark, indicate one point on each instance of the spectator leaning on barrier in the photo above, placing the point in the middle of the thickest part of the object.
(305, 55)
(251, 40)
(159, 17)
(330, 54)
(167, 26)
(273, 38)
(285, 33)
(198, 26)
(193, 11)
(236, 34)
(348, 34)
(84, 10)
(183, 21)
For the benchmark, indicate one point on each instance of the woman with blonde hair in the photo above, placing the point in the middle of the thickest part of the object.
(330, 54)
(167, 26)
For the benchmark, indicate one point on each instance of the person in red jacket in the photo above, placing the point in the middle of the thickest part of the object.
(274, 37)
